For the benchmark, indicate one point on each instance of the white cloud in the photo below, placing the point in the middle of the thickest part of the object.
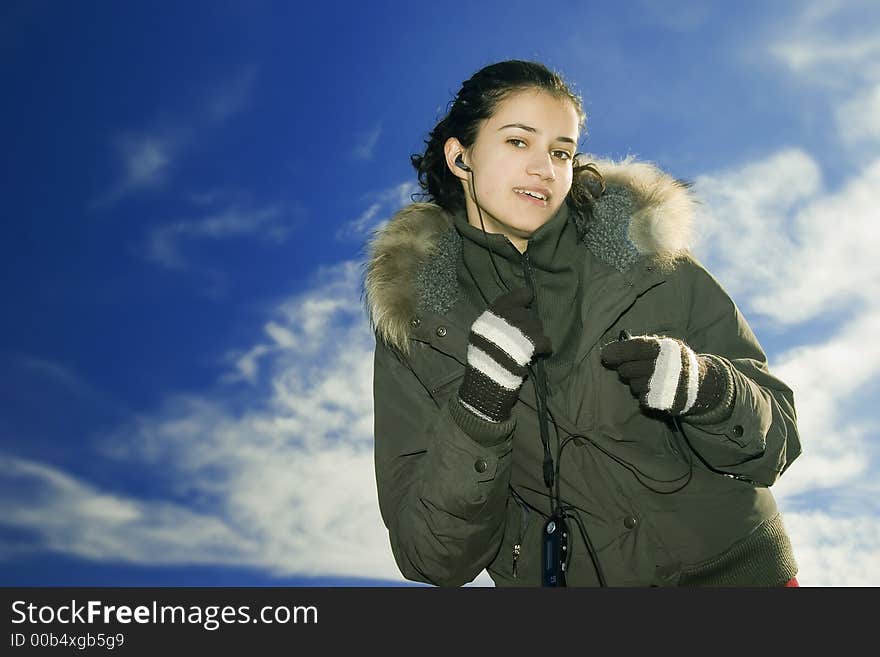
(801, 252)
(834, 550)
(246, 364)
(832, 381)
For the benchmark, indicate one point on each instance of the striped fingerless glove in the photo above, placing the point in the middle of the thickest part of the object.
(502, 343)
(666, 375)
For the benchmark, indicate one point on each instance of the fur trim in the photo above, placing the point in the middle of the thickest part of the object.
(644, 212)
(662, 222)
(395, 253)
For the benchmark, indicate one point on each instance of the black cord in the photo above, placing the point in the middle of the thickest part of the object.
(594, 556)
(485, 240)
(590, 549)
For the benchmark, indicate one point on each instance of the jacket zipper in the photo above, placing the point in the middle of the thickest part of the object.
(517, 547)
(527, 271)
(530, 282)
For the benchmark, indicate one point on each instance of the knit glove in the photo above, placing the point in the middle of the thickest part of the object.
(502, 343)
(666, 375)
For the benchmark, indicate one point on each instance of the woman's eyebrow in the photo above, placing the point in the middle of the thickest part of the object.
(531, 129)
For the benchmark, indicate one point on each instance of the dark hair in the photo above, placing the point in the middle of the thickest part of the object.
(477, 101)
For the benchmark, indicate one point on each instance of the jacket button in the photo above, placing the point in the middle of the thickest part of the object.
(441, 331)
(629, 522)
(480, 465)
(415, 321)
(738, 430)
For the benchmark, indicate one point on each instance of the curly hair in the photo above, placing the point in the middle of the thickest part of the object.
(476, 101)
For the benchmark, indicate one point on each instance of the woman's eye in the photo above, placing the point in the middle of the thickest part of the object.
(563, 155)
(520, 141)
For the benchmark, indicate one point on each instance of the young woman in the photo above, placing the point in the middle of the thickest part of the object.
(563, 394)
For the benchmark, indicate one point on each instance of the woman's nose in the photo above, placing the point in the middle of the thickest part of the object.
(543, 166)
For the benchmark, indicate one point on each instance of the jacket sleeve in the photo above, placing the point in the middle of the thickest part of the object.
(442, 490)
(759, 439)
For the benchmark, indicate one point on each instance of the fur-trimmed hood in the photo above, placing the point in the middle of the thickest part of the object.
(643, 212)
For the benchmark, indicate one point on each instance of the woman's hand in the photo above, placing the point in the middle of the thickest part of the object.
(666, 375)
(503, 342)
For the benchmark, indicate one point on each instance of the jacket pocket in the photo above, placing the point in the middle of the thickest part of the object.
(444, 382)
(439, 374)
(516, 563)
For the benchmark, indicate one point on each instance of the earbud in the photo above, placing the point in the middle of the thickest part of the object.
(460, 164)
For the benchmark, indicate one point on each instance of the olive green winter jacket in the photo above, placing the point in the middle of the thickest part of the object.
(659, 507)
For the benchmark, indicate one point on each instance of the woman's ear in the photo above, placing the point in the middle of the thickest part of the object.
(453, 149)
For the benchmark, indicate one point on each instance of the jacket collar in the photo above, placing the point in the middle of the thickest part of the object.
(644, 215)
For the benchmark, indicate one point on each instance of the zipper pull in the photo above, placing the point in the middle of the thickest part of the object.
(516, 549)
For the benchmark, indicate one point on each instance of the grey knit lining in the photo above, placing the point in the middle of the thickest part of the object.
(607, 232)
(436, 278)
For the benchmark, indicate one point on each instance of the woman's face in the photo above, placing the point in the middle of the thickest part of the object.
(527, 145)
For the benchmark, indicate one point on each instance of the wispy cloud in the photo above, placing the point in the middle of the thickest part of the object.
(680, 16)
(145, 159)
(72, 517)
(36, 379)
(366, 143)
(819, 56)
(59, 374)
(164, 241)
(858, 119)
(381, 206)
(147, 156)
(231, 97)
(832, 45)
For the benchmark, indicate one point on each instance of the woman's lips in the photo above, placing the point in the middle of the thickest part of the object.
(532, 199)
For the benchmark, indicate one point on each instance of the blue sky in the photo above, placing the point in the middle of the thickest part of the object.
(188, 190)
